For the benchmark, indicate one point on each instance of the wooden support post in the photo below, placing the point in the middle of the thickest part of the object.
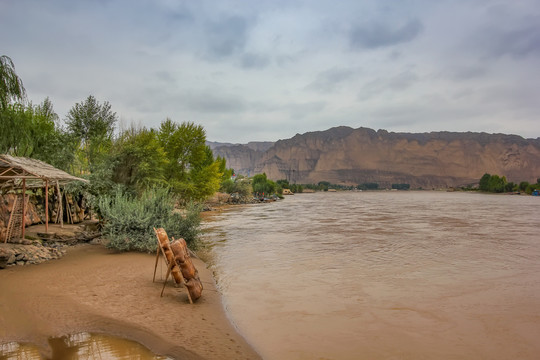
(46, 206)
(155, 267)
(68, 210)
(23, 207)
(60, 207)
(12, 219)
(187, 291)
(169, 269)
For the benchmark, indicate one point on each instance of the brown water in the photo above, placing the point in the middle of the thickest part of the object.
(81, 346)
(383, 275)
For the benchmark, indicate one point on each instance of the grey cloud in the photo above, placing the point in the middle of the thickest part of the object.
(399, 82)
(226, 37)
(419, 116)
(329, 80)
(301, 110)
(165, 77)
(213, 103)
(377, 35)
(517, 42)
(145, 59)
(466, 72)
(285, 60)
(254, 61)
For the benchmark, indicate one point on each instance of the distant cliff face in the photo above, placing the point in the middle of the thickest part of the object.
(241, 158)
(344, 155)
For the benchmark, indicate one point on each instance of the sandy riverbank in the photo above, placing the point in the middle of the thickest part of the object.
(93, 289)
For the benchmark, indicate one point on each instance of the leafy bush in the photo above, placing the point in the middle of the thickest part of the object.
(401, 186)
(493, 183)
(368, 186)
(128, 221)
(523, 185)
(532, 187)
(240, 188)
(262, 185)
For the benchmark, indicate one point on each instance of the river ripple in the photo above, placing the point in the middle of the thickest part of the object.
(383, 275)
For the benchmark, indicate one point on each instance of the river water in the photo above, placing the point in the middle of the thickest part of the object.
(382, 275)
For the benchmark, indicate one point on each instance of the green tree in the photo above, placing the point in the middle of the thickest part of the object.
(483, 185)
(50, 142)
(227, 186)
(296, 188)
(262, 185)
(227, 173)
(532, 187)
(401, 186)
(323, 185)
(191, 170)
(368, 186)
(185, 146)
(510, 186)
(33, 131)
(523, 185)
(11, 85)
(240, 188)
(28, 130)
(91, 124)
(204, 178)
(140, 160)
(496, 184)
(283, 183)
(16, 125)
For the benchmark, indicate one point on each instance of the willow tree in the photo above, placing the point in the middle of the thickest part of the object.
(14, 118)
(11, 85)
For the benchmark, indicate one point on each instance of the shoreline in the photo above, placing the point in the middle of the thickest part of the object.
(96, 290)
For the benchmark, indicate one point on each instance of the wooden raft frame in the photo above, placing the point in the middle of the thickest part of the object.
(170, 266)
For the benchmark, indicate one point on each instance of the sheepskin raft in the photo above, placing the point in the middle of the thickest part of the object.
(180, 265)
(189, 272)
(169, 256)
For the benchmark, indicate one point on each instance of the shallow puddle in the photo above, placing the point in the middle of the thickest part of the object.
(81, 346)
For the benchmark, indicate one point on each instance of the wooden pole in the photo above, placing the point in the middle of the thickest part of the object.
(46, 206)
(23, 207)
(60, 206)
(67, 208)
(157, 259)
(169, 269)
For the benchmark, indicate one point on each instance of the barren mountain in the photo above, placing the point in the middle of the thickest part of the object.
(241, 157)
(343, 155)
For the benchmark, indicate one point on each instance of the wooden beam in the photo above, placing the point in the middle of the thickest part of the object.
(19, 174)
(7, 170)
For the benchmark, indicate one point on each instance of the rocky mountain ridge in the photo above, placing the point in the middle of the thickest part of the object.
(344, 155)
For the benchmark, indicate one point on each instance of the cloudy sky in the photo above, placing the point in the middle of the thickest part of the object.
(266, 70)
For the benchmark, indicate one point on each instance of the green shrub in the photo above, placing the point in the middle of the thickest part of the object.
(128, 221)
(401, 186)
(262, 185)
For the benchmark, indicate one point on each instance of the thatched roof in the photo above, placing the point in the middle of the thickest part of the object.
(13, 169)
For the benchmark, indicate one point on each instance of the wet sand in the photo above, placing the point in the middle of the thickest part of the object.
(92, 289)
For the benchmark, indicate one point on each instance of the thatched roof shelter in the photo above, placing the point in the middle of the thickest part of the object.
(19, 173)
(13, 169)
